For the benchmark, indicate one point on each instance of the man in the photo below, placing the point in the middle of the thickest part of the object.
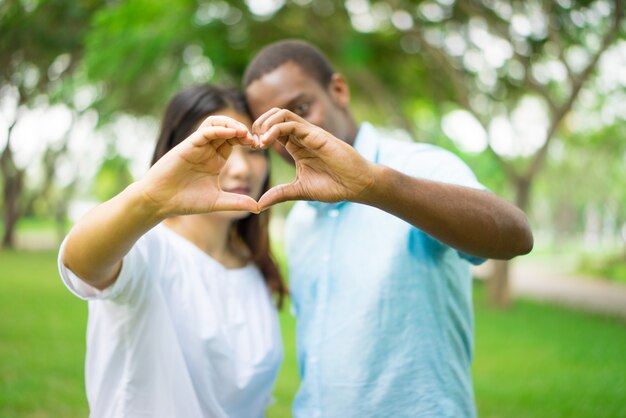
(379, 275)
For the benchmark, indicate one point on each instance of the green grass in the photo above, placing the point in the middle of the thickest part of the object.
(542, 361)
(33, 225)
(531, 361)
(610, 266)
(42, 340)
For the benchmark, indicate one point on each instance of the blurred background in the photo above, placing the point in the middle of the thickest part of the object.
(531, 94)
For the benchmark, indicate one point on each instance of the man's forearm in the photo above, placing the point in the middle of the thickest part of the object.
(473, 221)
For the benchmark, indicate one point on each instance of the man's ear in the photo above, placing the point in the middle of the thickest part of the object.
(339, 90)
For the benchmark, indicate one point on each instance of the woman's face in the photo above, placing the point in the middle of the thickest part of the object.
(245, 170)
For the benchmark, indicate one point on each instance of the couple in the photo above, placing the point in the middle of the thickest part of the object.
(180, 278)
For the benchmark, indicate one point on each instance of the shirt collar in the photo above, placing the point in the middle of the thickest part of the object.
(366, 144)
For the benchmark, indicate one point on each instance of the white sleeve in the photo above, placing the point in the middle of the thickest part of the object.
(133, 272)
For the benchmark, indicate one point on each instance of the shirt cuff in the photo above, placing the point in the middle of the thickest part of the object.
(84, 290)
(471, 258)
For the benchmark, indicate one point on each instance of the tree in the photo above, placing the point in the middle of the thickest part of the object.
(536, 36)
(41, 44)
(412, 61)
(591, 173)
(163, 47)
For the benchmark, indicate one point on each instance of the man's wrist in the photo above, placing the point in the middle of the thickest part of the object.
(373, 188)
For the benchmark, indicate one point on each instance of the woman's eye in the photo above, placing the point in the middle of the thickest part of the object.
(302, 109)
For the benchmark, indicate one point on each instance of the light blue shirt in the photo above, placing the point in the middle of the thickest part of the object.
(384, 311)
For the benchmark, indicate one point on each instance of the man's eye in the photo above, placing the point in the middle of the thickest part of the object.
(302, 109)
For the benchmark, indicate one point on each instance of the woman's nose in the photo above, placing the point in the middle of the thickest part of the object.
(237, 164)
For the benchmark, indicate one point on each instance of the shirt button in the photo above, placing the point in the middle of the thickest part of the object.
(326, 257)
(313, 360)
(317, 414)
(333, 213)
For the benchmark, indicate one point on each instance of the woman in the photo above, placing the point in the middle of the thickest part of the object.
(179, 276)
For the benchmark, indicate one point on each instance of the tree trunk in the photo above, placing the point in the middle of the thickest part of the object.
(499, 286)
(61, 209)
(499, 289)
(623, 236)
(13, 183)
(13, 179)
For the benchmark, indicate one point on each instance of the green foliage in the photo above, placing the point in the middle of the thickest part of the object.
(282, 173)
(113, 176)
(587, 171)
(40, 47)
(611, 266)
(140, 50)
(490, 173)
(135, 50)
(41, 40)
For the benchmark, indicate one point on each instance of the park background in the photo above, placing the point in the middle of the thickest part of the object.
(531, 94)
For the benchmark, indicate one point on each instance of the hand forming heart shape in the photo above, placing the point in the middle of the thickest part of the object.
(185, 180)
(327, 169)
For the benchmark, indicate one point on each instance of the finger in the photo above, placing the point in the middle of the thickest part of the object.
(225, 121)
(280, 116)
(297, 132)
(235, 201)
(224, 150)
(256, 126)
(220, 120)
(249, 141)
(207, 134)
(279, 194)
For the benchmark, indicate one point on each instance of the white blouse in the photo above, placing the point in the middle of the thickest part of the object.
(179, 335)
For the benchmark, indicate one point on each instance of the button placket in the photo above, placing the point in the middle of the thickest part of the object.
(314, 358)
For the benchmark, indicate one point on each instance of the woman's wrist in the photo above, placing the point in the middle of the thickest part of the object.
(140, 200)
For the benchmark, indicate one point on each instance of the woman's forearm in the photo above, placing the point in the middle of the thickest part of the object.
(97, 243)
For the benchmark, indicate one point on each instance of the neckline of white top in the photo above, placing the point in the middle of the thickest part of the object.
(194, 247)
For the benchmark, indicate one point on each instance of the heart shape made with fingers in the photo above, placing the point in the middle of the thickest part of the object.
(186, 179)
(327, 169)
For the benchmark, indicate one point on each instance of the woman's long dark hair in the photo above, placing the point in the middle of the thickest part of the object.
(184, 111)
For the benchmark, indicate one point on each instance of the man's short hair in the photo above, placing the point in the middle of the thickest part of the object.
(306, 56)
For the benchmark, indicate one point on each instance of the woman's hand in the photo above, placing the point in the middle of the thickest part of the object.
(186, 179)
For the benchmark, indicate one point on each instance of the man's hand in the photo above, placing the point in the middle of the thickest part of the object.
(186, 179)
(327, 169)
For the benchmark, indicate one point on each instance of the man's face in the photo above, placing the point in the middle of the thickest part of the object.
(288, 87)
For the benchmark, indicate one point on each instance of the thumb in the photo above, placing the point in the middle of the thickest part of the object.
(235, 201)
(278, 194)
